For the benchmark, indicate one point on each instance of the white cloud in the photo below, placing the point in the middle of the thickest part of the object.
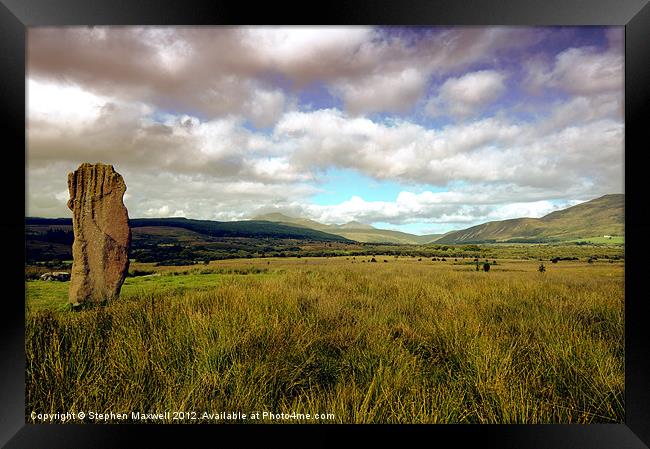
(162, 211)
(578, 71)
(468, 94)
(221, 71)
(533, 209)
(441, 210)
(494, 150)
(584, 71)
(172, 109)
(393, 91)
(302, 50)
(63, 196)
(62, 105)
(221, 160)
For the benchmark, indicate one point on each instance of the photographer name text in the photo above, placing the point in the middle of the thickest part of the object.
(170, 416)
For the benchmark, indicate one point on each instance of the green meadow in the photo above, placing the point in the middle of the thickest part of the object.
(400, 340)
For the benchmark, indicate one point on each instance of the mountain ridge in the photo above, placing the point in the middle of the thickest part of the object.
(598, 217)
(595, 218)
(353, 230)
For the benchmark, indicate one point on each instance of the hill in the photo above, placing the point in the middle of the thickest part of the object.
(353, 230)
(595, 218)
(252, 228)
(276, 217)
(179, 240)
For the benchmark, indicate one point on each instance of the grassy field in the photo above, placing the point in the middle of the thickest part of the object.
(613, 240)
(401, 341)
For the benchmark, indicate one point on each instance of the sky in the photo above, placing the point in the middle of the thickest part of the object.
(417, 129)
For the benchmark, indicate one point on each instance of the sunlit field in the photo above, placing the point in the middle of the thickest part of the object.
(399, 340)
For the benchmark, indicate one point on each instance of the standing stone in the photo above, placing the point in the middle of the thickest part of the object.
(102, 235)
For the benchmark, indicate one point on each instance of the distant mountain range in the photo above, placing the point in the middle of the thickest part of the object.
(353, 230)
(596, 218)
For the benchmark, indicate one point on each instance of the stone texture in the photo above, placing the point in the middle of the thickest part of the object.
(102, 235)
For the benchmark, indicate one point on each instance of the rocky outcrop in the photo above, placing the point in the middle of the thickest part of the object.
(102, 235)
(55, 276)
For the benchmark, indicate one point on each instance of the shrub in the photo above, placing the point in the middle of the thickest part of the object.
(135, 273)
(486, 267)
(541, 268)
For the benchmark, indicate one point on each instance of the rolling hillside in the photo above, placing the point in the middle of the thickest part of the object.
(50, 239)
(353, 230)
(253, 228)
(595, 218)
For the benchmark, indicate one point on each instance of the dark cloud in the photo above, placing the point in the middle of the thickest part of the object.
(217, 71)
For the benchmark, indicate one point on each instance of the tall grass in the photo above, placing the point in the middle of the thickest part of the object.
(399, 342)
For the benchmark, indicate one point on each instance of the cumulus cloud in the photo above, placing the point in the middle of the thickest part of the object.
(437, 211)
(488, 150)
(466, 95)
(580, 71)
(219, 71)
(305, 144)
(587, 71)
(383, 92)
(208, 122)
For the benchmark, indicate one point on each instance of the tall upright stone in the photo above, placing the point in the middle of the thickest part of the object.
(102, 235)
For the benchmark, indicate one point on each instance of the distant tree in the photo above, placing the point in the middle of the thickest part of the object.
(477, 268)
(555, 259)
(486, 267)
(541, 268)
(373, 260)
(420, 259)
(385, 260)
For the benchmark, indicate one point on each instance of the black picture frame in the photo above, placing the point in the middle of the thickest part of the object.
(17, 15)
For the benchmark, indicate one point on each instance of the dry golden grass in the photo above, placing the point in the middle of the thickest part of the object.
(405, 341)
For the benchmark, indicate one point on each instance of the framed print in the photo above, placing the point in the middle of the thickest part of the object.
(426, 217)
